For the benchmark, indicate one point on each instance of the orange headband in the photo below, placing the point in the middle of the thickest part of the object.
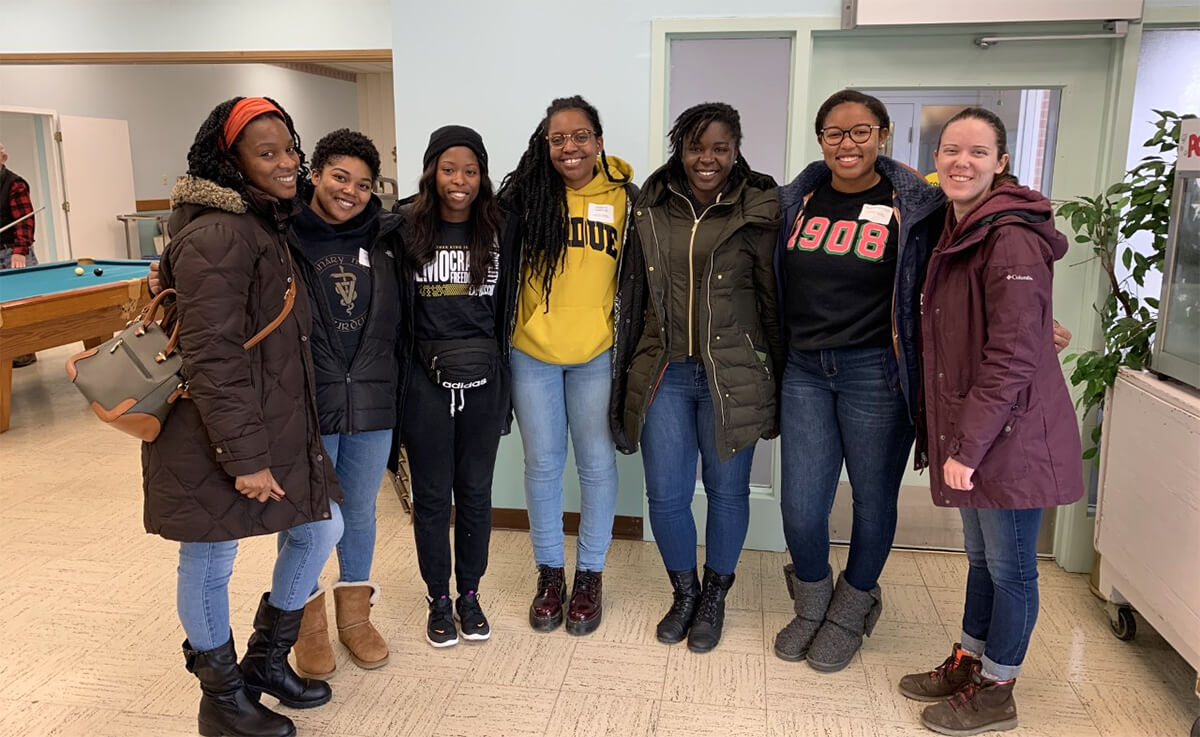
(245, 110)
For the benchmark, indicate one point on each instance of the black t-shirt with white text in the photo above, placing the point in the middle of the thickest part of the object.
(447, 306)
(840, 264)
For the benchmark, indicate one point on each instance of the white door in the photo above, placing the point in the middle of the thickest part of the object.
(98, 180)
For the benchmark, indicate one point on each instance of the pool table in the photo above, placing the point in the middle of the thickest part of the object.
(49, 305)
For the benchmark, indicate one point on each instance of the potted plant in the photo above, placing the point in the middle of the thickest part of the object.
(1139, 203)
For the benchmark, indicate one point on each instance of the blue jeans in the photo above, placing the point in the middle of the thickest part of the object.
(548, 399)
(1002, 589)
(842, 405)
(360, 460)
(202, 593)
(679, 426)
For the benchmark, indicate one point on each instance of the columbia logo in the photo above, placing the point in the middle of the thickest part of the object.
(1019, 277)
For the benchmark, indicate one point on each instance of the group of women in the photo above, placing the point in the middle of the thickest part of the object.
(848, 312)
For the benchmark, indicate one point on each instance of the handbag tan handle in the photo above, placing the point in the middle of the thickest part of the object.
(289, 300)
(150, 315)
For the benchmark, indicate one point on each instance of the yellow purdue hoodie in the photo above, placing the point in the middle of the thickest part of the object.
(579, 325)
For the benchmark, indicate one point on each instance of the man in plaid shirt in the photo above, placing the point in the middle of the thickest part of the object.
(16, 242)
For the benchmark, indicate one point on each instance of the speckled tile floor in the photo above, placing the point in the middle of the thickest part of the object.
(89, 641)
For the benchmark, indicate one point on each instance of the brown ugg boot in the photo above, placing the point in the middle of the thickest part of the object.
(352, 603)
(314, 653)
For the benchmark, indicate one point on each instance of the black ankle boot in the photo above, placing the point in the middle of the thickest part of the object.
(710, 612)
(265, 665)
(225, 706)
(675, 625)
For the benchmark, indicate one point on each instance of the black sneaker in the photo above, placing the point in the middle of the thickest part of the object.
(439, 628)
(470, 617)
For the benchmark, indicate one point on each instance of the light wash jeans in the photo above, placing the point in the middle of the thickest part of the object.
(549, 399)
(360, 460)
(202, 594)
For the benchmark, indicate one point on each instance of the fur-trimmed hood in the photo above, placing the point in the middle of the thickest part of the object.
(192, 196)
(191, 190)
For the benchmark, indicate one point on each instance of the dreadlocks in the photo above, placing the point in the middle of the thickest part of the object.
(209, 159)
(692, 123)
(535, 192)
(485, 223)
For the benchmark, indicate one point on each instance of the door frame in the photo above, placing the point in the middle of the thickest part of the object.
(1073, 533)
(60, 244)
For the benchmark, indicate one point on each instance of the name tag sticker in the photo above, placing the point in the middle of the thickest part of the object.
(881, 214)
(364, 258)
(600, 213)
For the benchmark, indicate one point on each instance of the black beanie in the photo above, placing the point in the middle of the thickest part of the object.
(449, 136)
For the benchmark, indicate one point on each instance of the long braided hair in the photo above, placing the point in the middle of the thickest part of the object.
(692, 123)
(209, 159)
(484, 223)
(535, 193)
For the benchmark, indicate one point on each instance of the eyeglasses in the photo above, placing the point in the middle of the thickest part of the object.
(858, 134)
(580, 137)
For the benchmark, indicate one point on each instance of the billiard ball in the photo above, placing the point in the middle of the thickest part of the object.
(98, 271)
(78, 271)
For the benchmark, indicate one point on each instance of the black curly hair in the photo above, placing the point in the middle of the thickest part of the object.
(208, 158)
(692, 123)
(535, 192)
(873, 104)
(345, 142)
(484, 223)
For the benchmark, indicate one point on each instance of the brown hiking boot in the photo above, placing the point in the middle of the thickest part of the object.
(943, 681)
(982, 705)
(546, 611)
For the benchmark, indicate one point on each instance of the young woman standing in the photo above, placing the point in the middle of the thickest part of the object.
(1002, 437)
(702, 380)
(345, 246)
(241, 456)
(459, 269)
(573, 203)
(857, 228)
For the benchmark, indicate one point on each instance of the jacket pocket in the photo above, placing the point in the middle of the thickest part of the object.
(1006, 460)
(760, 362)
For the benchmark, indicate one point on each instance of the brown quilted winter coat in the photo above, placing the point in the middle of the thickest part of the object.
(249, 410)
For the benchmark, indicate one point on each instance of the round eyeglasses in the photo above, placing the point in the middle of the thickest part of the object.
(859, 134)
(579, 137)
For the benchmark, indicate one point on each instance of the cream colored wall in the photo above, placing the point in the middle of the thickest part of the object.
(377, 117)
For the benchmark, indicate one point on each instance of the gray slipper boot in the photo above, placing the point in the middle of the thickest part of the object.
(852, 613)
(810, 600)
